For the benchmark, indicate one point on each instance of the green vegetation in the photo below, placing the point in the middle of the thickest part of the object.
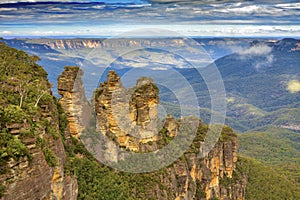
(276, 147)
(2, 188)
(264, 182)
(27, 109)
(14, 114)
(50, 157)
(63, 121)
(200, 193)
(97, 181)
(11, 147)
(272, 146)
(284, 116)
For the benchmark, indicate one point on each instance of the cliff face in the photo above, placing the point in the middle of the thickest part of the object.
(41, 175)
(100, 43)
(37, 177)
(218, 172)
(191, 177)
(32, 153)
(129, 117)
(73, 100)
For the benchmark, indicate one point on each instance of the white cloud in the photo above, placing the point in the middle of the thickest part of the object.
(45, 33)
(159, 68)
(256, 50)
(5, 32)
(267, 62)
(246, 9)
(288, 5)
(8, 9)
(262, 50)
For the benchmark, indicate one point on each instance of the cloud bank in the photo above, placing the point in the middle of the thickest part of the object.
(191, 18)
(257, 50)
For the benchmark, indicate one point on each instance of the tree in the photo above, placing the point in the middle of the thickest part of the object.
(23, 90)
(39, 91)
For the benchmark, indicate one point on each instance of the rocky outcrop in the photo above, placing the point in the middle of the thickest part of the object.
(73, 100)
(143, 108)
(41, 175)
(127, 116)
(217, 171)
(171, 125)
(32, 153)
(71, 43)
(213, 176)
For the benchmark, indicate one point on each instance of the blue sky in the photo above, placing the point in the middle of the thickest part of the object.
(112, 17)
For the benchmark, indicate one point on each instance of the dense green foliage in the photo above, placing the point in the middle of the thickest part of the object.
(264, 182)
(97, 181)
(2, 188)
(272, 146)
(11, 147)
(27, 109)
(276, 147)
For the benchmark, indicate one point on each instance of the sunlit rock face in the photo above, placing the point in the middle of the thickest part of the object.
(111, 43)
(129, 119)
(128, 116)
(35, 179)
(73, 100)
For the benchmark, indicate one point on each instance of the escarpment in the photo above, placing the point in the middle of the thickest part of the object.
(33, 157)
(130, 118)
(105, 44)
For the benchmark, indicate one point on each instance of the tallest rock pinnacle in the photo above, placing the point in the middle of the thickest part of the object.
(127, 116)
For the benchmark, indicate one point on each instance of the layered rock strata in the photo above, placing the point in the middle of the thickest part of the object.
(42, 175)
(128, 116)
(129, 119)
(73, 100)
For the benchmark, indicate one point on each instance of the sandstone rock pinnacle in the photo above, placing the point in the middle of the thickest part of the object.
(73, 100)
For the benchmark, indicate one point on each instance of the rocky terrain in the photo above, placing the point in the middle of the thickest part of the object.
(121, 113)
(42, 156)
(33, 155)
